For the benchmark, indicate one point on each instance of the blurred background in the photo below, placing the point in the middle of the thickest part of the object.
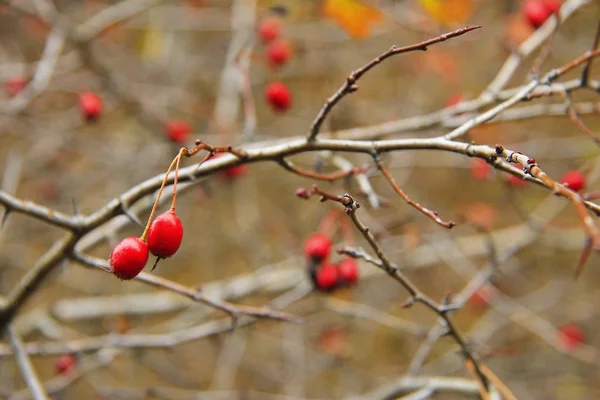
(209, 63)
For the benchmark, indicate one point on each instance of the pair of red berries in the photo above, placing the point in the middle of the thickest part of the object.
(536, 12)
(129, 257)
(279, 50)
(327, 276)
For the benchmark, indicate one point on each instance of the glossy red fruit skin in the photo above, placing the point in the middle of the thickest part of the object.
(327, 277)
(278, 96)
(64, 364)
(91, 105)
(279, 52)
(536, 12)
(480, 169)
(165, 235)
(178, 131)
(270, 29)
(570, 336)
(553, 6)
(15, 84)
(317, 247)
(129, 258)
(348, 270)
(574, 179)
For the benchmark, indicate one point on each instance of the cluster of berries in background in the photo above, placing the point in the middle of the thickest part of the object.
(327, 276)
(536, 12)
(482, 171)
(278, 52)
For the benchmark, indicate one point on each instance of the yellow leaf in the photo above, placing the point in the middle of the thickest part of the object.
(151, 43)
(448, 12)
(353, 16)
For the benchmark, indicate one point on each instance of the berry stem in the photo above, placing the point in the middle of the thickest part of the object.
(178, 158)
(155, 206)
(327, 225)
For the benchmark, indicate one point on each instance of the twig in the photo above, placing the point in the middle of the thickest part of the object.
(585, 72)
(431, 214)
(27, 371)
(350, 85)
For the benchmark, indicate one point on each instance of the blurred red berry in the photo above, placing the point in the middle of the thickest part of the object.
(165, 234)
(15, 84)
(480, 169)
(91, 105)
(178, 131)
(317, 247)
(553, 6)
(481, 297)
(348, 270)
(454, 100)
(270, 29)
(279, 52)
(64, 364)
(327, 277)
(128, 258)
(536, 12)
(574, 179)
(233, 172)
(278, 96)
(570, 336)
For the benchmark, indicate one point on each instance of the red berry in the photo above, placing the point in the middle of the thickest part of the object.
(178, 131)
(129, 257)
(348, 270)
(481, 297)
(278, 96)
(165, 235)
(454, 100)
(15, 84)
(570, 336)
(553, 6)
(91, 105)
(64, 364)
(327, 277)
(536, 12)
(480, 169)
(317, 247)
(270, 29)
(574, 179)
(233, 172)
(279, 52)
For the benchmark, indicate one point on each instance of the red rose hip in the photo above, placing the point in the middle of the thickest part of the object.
(348, 270)
(574, 180)
(178, 131)
(279, 52)
(536, 12)
(165, 234)
(480, 169)
(64, 364)
(270, 29)
(128, 258)
(327, 277)
(570, 336)
(278, 96)
(15, 84)
(91, 105)
(317, 247)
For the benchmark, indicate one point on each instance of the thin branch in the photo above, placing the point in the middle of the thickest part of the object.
(235, 311)
(350, 85)
(585, 73)
(431, 214)
(27, 371)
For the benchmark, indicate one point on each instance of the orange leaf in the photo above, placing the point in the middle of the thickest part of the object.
(449, 12)
(353, 16)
